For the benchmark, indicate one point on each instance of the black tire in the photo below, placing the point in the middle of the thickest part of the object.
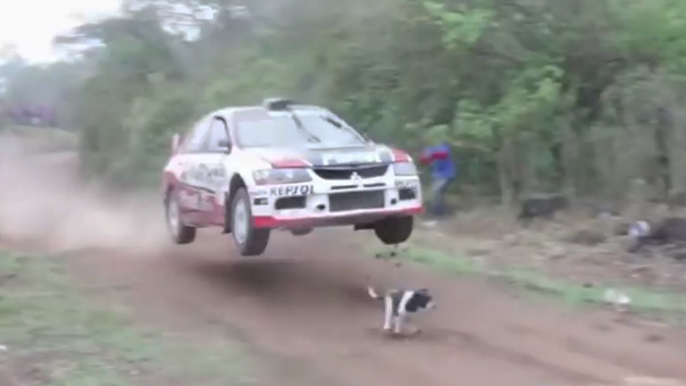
(394, 230)
(180, 233)
(250, 241)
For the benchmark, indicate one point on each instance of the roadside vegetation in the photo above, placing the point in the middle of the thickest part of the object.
(582, 96)
(54, 333)
(666, 305)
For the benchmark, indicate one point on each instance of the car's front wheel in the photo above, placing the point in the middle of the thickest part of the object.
(179, 232)
(249, 240)
(394, 230)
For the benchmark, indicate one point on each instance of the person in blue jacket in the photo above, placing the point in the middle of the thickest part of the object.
(443, 172)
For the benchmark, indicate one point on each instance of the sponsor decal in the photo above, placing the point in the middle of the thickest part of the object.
(405, 184)
(197, 201)
(217, 172)
(188, 200)
(291, 190)
(205, 203)
(201, 173)
(211, 177)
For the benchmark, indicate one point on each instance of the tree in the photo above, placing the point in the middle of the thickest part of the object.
(535, 95)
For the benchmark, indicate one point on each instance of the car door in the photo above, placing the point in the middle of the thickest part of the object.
(211, 165)
(192, 176)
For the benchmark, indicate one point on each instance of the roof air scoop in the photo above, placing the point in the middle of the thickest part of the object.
(278, 104)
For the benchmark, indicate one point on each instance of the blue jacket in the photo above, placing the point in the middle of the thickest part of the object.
(440, 158)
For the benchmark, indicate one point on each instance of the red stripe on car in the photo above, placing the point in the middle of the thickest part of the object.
(286, 163)
(399, 155)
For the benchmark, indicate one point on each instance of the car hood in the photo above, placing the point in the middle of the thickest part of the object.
(321, 157)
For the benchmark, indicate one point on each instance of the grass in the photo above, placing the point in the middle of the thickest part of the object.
(671, 306)
(61, 337)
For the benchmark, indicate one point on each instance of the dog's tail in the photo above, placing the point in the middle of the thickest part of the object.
(373, 294)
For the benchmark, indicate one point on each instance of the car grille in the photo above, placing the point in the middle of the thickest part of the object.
(339, 202)
(290, 203)
(346, 173)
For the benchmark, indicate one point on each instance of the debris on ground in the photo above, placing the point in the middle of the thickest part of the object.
(542, 206)
(668, 235)
(392, 253)
(616, 298)
(638, 229)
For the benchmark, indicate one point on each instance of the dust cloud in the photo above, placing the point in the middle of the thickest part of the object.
(42, 202)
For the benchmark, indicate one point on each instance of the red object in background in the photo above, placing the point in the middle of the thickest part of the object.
(440, 155)
(436, 155)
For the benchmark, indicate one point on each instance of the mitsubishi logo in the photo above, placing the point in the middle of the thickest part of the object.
(355, 177)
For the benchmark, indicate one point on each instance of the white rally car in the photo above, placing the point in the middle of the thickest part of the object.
(281, 165)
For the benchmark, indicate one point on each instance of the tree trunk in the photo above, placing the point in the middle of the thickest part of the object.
(506, 192)
(567, 161)
(663, 161)
(508, 187)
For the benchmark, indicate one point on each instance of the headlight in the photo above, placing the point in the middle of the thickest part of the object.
(281, 176)
(404, 169)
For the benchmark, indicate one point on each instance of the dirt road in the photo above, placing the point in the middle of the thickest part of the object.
(305, 301)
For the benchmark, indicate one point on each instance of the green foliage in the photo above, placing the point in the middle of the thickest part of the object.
(150, 123)
(535, 95)
(463, 27)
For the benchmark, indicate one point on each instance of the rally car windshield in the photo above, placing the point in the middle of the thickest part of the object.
(284, 131)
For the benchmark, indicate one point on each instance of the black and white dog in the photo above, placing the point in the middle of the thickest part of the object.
(399, 304)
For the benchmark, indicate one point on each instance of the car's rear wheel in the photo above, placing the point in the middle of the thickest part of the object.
(394, 230)
(179, 232)
(249, 240)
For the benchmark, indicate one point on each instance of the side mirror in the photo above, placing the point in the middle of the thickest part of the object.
(225, 144)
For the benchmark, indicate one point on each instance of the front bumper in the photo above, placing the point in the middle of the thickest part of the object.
(329, 203)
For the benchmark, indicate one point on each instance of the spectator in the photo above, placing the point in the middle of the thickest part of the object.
(443, 172)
